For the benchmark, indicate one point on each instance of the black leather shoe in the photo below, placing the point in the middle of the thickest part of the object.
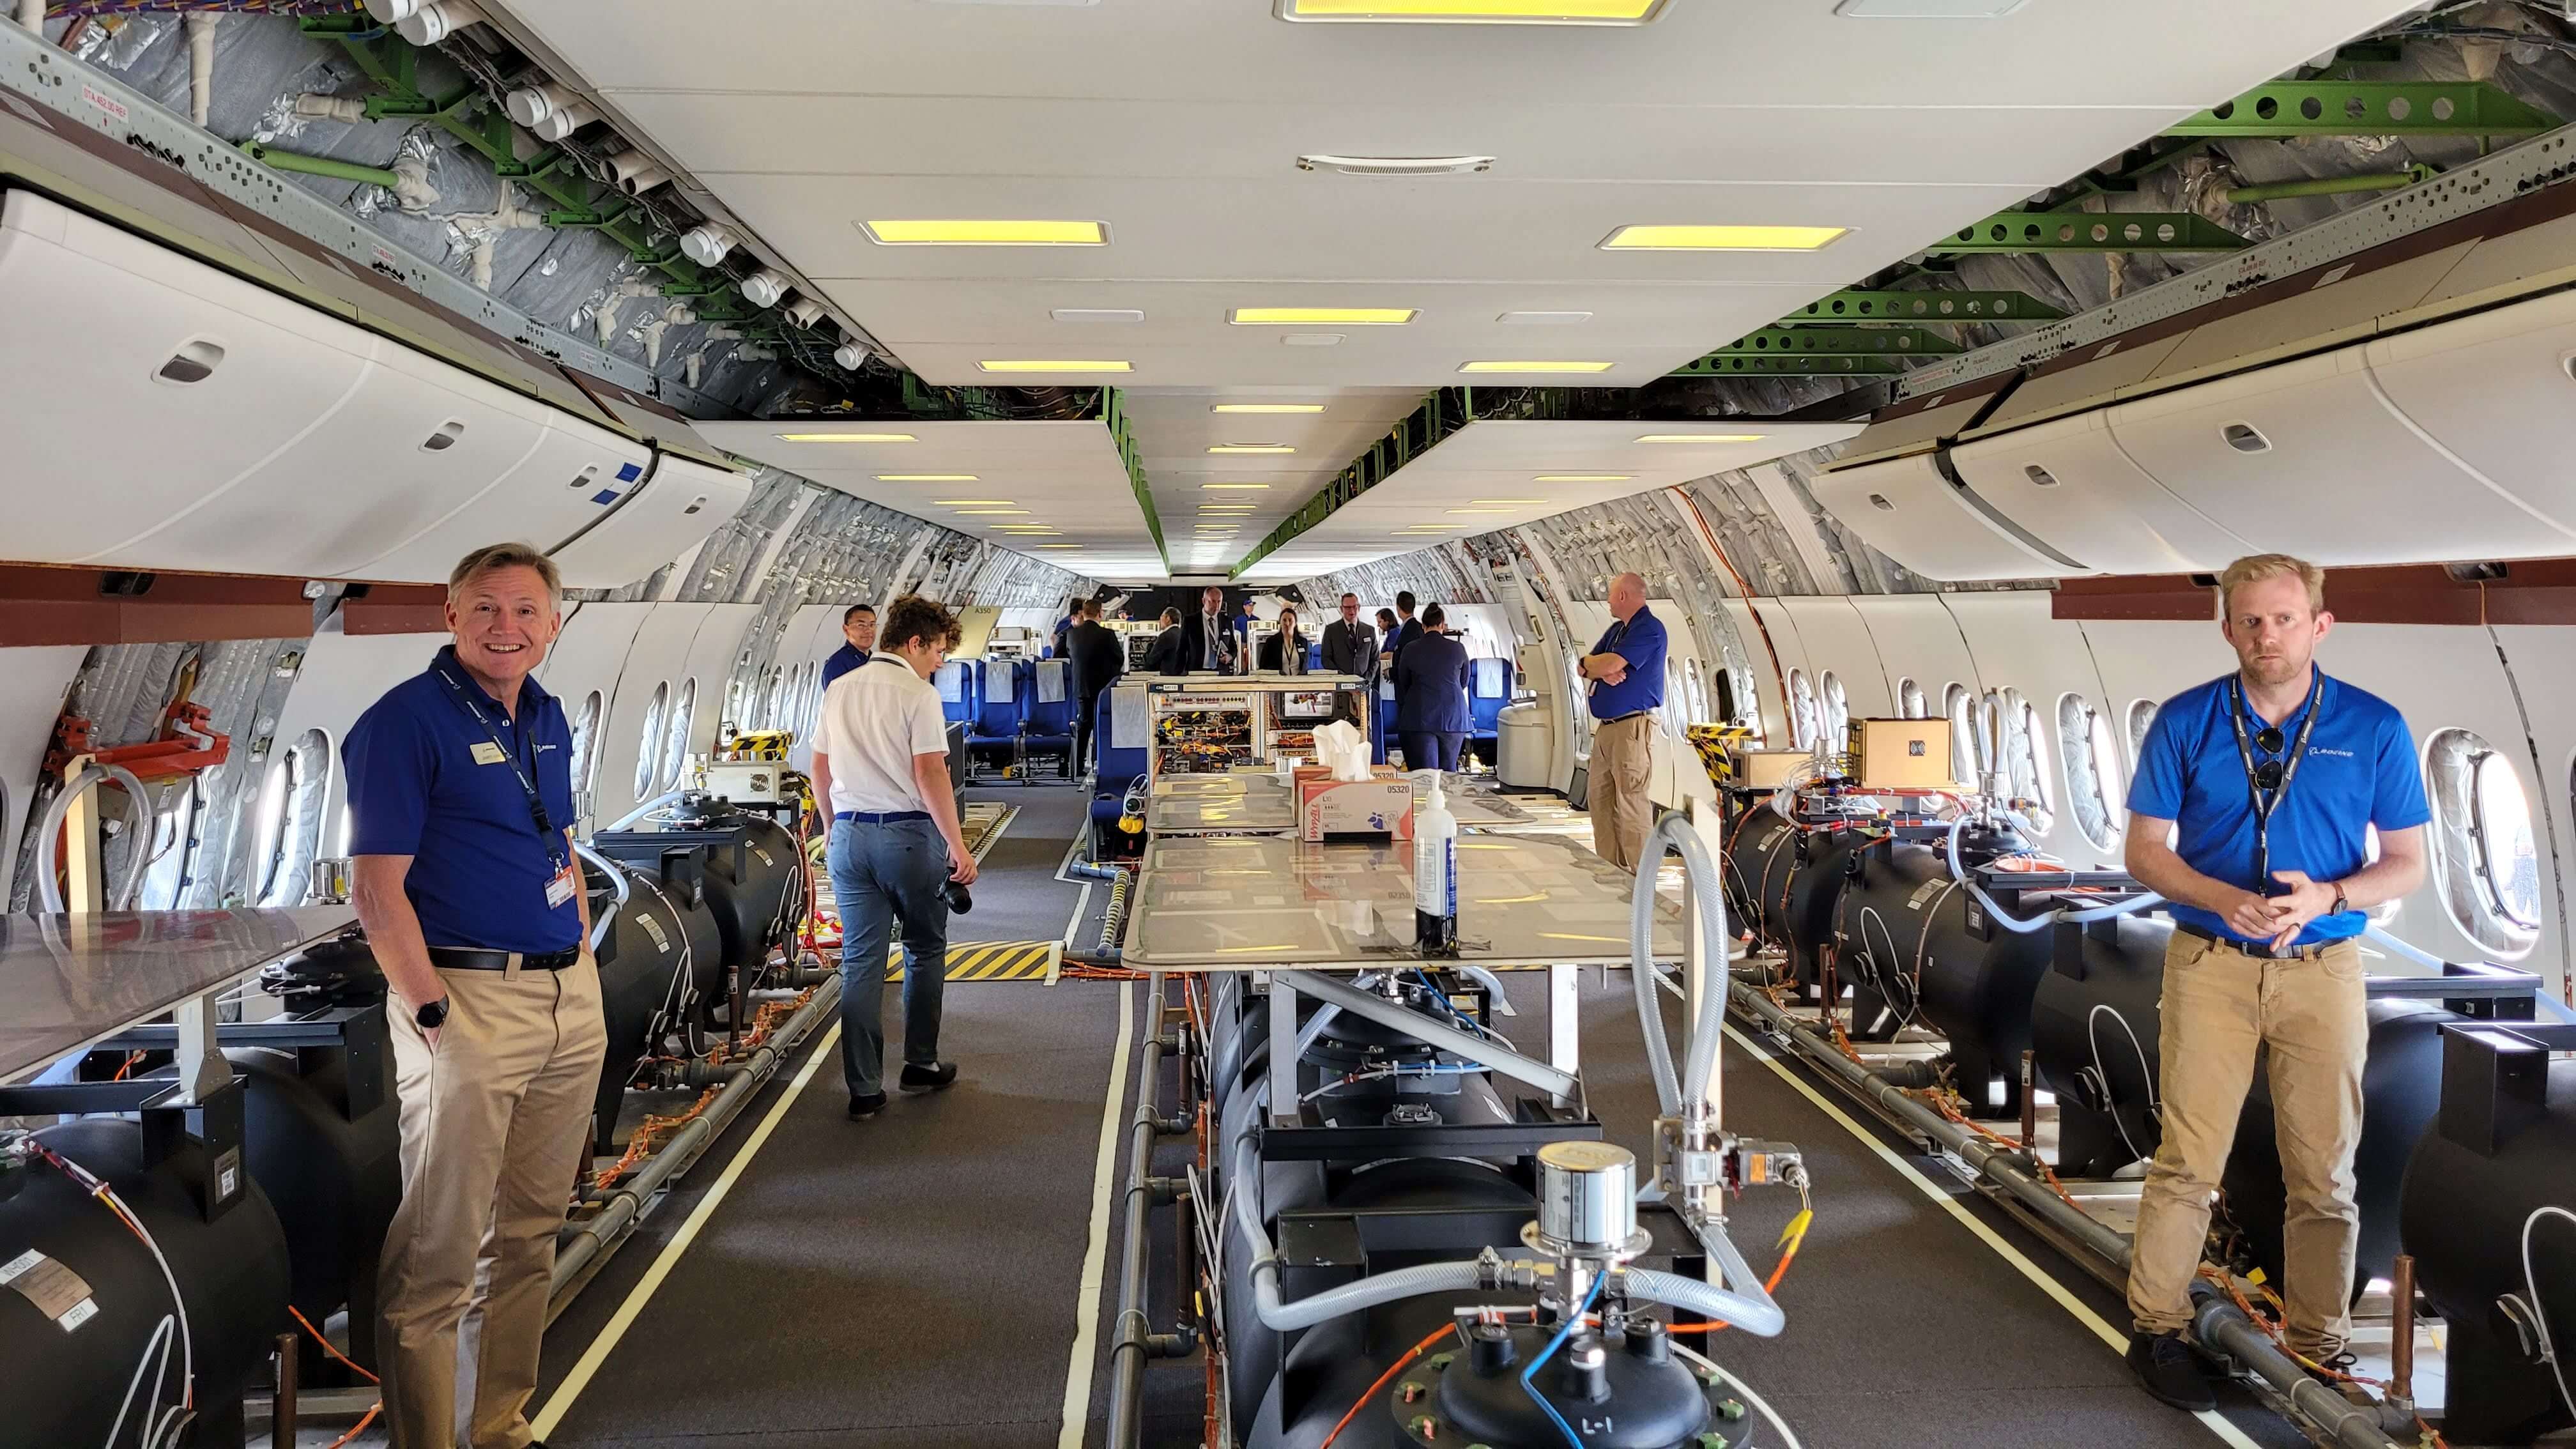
(931, 1078)
(2167, 1368)
(861, 1109)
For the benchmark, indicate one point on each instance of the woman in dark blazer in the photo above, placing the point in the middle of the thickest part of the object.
(1291, 660)
(1431, 679)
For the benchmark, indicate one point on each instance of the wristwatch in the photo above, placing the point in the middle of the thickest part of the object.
(2341, 905)
(432, 1016)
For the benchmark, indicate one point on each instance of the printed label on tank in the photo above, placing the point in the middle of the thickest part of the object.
(1922, 893)
(653, 928)
(756, 850)
(228, 1174)
(57, 1292)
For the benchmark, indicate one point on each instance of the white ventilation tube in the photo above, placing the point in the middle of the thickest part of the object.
(549, 111)
(708, 242)
(201, 61)
(388, 12)
(636, 173)
(31, 14)
(766, 287)
(804, 311)
(412, 192)
(850, 355)
(349, 109)
(431, 23)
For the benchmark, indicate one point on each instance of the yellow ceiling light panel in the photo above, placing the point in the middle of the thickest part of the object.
(991, 512)
(1044, 364)
(977, 502)
(1702, 437)
(928, 478)
(1476, 12)
(1322, 316)
(847, 438)
(1583, 478)
(1252, 448)
(1722, 238)
(1535, 366)
(1059, 545)
(1482, 510)
(922, 233)
(1506, 502)
(1267, 408)
(1214, 487)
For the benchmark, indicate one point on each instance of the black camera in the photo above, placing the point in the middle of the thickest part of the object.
(955, 893)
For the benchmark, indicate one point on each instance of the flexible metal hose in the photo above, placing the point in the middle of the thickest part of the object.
(1701, 885)
(49, 894)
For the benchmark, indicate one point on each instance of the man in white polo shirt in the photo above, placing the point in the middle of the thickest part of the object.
(881, 761)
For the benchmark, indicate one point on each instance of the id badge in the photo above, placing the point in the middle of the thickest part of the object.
(559, 889)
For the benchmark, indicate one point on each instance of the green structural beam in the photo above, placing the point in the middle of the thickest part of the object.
(1113, 411)
(2370, 108)
(1814, 364)
(1926, 307)
(1819, 340)
(2089, 231)
(270, 156)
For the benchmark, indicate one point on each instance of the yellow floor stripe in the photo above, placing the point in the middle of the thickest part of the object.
(987, 961)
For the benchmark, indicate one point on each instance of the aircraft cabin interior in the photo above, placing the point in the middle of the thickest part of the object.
(1287, 724)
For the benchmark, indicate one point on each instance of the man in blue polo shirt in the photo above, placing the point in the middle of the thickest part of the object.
(2267, 781)
(1626, 670)
(460, 815)
(859, 640)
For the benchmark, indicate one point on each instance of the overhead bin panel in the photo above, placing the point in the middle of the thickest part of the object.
(106, 328)
(576, 473)
(1906, 510)
(682, 503)
(2071, 486)
(2305, 458)
(2499, 391)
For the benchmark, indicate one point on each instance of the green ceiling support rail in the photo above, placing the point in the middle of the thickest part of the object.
(1944, 308)
(1113, 412)
(2369, 108)
(1814, 364)
(2089, 231)
(270, 156)
(1442, 413)
(2326, 186)
(1816, 340)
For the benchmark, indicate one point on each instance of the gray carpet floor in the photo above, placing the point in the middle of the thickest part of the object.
(1018, 897)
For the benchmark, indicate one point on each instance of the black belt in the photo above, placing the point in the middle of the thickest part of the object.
(1616, 718)
(460, 958)
(2264, 949)
(881, 817)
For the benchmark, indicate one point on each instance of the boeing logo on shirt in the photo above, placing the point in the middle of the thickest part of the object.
(541, 749)
(2312, 749)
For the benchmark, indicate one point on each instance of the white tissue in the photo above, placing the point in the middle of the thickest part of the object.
(1340, 748)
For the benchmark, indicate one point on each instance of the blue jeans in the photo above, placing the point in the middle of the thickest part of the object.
(1431, 749)
(881, 871)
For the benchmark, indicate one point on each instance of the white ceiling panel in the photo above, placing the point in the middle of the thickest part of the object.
(1492, 467)
(1063, 474)
(1260, 139)
(2050, 53)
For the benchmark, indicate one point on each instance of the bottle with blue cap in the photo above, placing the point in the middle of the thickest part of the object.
(1435, 873)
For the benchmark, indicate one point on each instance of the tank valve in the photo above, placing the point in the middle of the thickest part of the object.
(1587, 1203)
(1733, 1164)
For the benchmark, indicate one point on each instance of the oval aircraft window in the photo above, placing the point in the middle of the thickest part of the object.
(585, 745)
(2142, 713)
(1967, 757)
(1837, 712)
(1910, 703)
(649, 753)
(1803, 723)
(675, 751)
(2084, 741)
(2485, 859)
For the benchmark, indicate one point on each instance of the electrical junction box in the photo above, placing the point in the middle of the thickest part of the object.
(746, 782)
(1901, 754)
(1767, 769)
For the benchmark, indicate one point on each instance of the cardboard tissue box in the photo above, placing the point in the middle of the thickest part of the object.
(1343, 795)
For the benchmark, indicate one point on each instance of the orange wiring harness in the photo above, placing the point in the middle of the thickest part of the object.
(2271, 1326)
(373, 1409)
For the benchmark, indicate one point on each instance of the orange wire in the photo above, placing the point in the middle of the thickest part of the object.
(1383, 1379)
(326, 1344)
(370, 1417)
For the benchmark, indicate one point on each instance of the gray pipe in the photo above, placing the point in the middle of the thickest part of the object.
(647, 808)
(1135, 1343)
(2217, 1322)
(1674, 831)
(617, 876)
(577, 1247)
(139, 813)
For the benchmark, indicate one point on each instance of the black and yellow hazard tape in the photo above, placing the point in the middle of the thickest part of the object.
(993, 961)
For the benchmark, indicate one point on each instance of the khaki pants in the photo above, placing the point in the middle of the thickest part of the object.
(495, 1130)
(1623, 762)
(2220, 1005)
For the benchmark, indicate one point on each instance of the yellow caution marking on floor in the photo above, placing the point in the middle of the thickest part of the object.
(991, 961)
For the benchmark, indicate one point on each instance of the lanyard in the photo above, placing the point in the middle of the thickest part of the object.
(2263, 805)
(536, 802)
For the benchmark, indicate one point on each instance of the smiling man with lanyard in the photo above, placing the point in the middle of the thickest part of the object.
(1626, 686)
(2268, 782)
(460, 808)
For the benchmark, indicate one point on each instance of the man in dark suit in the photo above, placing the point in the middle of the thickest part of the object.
(1164, 654)
(1098, 659)
(1431, 695)
(1350, 647)
(1208, 640)
(1407, 628)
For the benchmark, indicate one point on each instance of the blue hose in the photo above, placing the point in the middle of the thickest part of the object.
(1564, 1331)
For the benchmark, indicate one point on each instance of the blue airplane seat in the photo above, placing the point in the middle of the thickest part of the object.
(1049, 724)
(1118, 769)
(1000, 708)
(1489, 689)
(957, 694)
